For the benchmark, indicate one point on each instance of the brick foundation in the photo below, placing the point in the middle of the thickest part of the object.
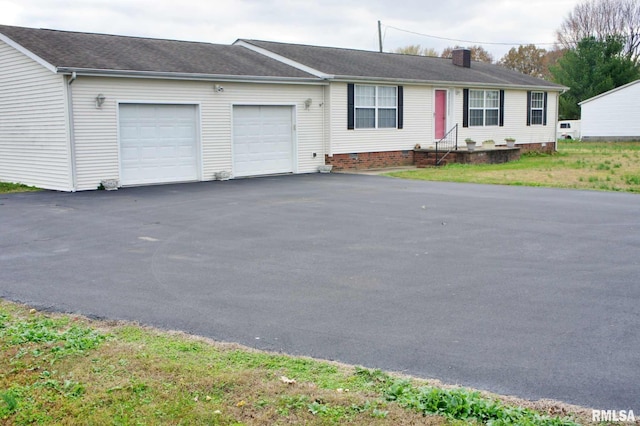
(426, 157)
(370, 160)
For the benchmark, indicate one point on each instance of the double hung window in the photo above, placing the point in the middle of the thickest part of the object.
(484, 107)
(537, 107)
(376, 107)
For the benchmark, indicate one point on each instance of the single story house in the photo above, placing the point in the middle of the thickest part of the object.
(613, 115)
(380, 105)
(77, 109)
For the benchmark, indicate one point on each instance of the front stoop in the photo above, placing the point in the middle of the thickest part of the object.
(427, 157)
(423, 157)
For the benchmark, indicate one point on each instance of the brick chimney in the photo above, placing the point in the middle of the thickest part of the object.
(461, 58)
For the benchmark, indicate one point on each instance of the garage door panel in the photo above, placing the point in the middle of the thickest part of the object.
(185, 153)
(158, 143)
(128, 154)
(263, 140)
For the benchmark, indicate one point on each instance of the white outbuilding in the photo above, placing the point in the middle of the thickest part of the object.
(613, 115)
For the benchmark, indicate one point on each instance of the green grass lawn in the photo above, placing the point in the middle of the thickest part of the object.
(594, 166)
(6, 187)
(64, 369)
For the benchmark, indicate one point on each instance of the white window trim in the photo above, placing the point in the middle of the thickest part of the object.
(484, 108)
(376, 107)
(541, 109)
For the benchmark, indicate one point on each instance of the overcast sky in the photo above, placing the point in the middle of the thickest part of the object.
(340, 23)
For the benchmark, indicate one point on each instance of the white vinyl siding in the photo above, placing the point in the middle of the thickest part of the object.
(418, 115)
(34, 141)
(418, 122)
(613, 115)
(515, 121)
(96, 128)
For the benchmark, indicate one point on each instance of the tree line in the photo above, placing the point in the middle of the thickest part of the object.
(597, 49)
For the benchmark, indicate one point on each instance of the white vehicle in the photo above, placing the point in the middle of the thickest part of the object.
(568, 129)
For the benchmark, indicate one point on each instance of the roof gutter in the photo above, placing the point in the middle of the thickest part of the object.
(449, 83)
(189, 76)
(72, 135)
(288, 80)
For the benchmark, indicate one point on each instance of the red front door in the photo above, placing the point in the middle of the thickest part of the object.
(440, 114)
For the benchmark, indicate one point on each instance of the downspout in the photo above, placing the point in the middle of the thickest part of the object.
(72, 138)
(555, 129)
(327, 110)
(325, 139)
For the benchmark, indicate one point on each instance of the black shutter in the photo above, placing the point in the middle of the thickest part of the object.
(544, 111)
(400, 107)
(465, 107)
(350, 106)
(529, 108)
(501, 108)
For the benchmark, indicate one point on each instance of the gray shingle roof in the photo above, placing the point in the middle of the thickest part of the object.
(75, 50)
(69, 51)
(349, 63)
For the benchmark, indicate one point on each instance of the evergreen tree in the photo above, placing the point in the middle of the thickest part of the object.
(593, 67)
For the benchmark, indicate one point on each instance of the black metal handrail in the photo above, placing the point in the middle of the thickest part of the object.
(449, 142)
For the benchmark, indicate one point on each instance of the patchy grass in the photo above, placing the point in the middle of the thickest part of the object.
(578, 165)
(62, 369)
(6, 187)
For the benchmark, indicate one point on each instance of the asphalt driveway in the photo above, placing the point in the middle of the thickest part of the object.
(525, 291)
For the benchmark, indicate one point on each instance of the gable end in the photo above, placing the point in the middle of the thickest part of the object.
(28, 53)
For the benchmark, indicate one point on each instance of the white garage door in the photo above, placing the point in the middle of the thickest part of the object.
(158, 143)
(262, 140)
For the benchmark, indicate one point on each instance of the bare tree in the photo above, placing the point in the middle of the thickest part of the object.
(551, 58)
(430, 51)
(412, 49)
(478, 53)
(602, 18)
(416, 49)
(527, 59)
(532, 60)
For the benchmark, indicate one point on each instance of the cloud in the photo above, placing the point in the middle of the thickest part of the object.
(345, 23)
(10, 10)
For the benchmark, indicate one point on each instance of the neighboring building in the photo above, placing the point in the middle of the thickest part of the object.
(79, 108)
(613, 115)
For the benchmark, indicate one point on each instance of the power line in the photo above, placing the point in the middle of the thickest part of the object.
(463, 41)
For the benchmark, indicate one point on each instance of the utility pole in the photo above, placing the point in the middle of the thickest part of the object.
(380, 36)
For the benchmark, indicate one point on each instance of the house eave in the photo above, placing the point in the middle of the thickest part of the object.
(297, 80)
(91, 72)
(446, 83)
